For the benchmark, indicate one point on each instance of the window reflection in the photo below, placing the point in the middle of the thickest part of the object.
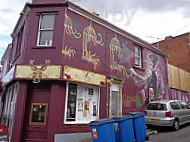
(38, 114)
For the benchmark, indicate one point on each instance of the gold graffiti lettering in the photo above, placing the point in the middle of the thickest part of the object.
(68, 52)
(130, 99)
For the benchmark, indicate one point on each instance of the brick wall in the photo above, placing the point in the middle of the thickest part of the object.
(178, 49)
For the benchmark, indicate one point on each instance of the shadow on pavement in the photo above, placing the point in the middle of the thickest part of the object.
(167, 129)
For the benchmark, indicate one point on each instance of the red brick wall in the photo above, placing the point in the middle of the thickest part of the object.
(178, 49)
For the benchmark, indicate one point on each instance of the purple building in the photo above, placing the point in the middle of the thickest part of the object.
(68, 67)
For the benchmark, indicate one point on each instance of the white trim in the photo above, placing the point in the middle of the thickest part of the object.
(138, 57)
(46, 29)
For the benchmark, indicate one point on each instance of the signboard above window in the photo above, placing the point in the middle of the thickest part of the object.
(78, 75)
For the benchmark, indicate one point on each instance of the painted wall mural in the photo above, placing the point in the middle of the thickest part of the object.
(175, 94)
(69, 27)
(149, 86)
(152, 82)
(144, 85)
(68, 52)
(90, 35)
(115, 49)
(70, 31)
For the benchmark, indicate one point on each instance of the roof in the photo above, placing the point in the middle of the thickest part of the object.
(21, 20)
(172, 37)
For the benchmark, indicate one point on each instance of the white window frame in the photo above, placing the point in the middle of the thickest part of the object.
(47, 29)
(66, 102)
(138, 57)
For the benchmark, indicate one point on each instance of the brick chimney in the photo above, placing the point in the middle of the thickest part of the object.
(47, 1)
(168, 37)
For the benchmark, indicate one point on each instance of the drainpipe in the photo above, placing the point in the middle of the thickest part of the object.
(107, 101)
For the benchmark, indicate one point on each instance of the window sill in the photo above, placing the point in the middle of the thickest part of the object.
(43, 47)
(74, 123)
(139, 68)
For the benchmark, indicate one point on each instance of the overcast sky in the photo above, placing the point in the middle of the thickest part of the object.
(150, 20)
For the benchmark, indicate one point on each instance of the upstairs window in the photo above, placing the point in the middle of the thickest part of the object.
(138, 52)
(46, 27)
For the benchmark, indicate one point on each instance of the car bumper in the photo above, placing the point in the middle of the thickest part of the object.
(159, 121)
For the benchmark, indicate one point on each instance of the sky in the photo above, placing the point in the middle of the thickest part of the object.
(150, 20)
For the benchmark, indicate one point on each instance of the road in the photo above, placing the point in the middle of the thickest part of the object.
(167, 135)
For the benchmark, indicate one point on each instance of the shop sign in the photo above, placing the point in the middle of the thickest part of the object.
(26, 72)
(83, 76)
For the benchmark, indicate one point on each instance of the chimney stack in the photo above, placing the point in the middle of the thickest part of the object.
(47, 1)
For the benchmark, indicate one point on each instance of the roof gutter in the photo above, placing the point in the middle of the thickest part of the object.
(21, 20)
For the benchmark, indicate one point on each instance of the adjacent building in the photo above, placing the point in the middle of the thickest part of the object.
(68, 67)
(178, 49)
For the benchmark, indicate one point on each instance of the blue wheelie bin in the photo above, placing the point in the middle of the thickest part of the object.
(139, 126)
(124, 129)
(103, 131)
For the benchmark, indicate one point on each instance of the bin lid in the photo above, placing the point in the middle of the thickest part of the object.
(136, 114)
(100, 122)
(122, 118)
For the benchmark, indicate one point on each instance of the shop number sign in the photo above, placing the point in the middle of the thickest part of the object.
(4, 134)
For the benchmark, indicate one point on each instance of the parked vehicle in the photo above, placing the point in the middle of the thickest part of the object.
(171, 113)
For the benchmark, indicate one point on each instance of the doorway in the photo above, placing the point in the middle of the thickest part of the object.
(36, 113)
(115, 100)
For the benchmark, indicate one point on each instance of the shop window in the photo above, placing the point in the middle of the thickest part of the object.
(38, 114)
(138, 52)
(46, 27)
(82, 103)
(9, 107)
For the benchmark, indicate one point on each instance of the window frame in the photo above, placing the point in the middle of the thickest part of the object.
(176, 104)
(66, 103)
(46, 29)
(45, 116)
(183, 105)
(9, 106)
(139, 57)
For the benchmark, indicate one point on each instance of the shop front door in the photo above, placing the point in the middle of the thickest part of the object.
(36, 114)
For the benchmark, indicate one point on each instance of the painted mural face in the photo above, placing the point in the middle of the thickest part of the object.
(151, 84)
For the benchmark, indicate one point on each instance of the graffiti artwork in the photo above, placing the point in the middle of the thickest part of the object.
(68, 52)
(153, 82)
(69, 27)
(90, 35)
(115, 49)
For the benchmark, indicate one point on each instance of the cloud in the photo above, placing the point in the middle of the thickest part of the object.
(150, 20)
(9, 14)
(146, 5)
(143, 18)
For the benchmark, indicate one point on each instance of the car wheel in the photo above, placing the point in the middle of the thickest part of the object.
(149, 126)
(176, 125)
